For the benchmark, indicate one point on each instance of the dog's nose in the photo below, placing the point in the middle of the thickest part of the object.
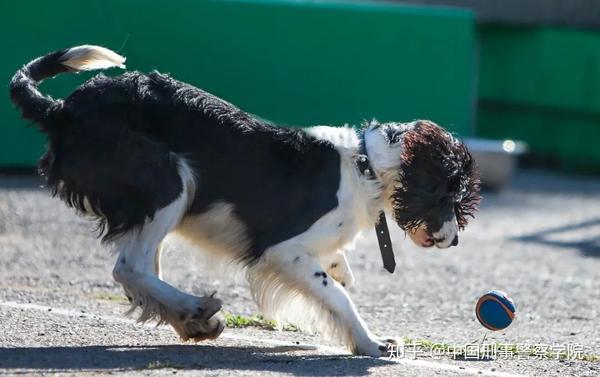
(454, 241)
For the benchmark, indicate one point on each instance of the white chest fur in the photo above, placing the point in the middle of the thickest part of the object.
(358, 199)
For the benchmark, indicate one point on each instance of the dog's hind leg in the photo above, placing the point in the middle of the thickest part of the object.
(138, 270)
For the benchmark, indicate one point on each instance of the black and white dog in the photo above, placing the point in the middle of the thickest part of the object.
(147, 155)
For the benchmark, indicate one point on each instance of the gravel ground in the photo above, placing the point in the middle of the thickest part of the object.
(60, 311)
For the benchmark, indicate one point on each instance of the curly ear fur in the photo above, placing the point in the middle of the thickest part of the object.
(438, 179)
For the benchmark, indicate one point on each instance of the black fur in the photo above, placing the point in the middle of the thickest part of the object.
(116, 141)
(116, 144)
(23, 87)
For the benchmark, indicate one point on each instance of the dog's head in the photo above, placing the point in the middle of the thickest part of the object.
(436, 188)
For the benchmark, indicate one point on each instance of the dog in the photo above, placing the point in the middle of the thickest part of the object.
(146, 155)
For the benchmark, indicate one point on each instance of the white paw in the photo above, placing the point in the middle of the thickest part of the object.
(201, 320)
(376, 347)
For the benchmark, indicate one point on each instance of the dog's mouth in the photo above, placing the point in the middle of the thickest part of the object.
(421, 237)
(429, 242)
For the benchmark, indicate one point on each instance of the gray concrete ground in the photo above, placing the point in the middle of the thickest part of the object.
(60, 311)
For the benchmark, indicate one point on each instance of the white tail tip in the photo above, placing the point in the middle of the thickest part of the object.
(89, 57)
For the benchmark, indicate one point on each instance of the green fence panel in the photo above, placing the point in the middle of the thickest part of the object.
(542, 85)
(293, 62)
(541, 66)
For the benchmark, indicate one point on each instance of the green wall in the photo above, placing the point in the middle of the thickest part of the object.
(294, 62)
(542, 85)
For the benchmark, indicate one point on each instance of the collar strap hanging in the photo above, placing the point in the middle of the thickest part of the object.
(381, 228)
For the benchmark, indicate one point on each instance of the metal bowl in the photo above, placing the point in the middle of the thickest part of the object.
(497, 160)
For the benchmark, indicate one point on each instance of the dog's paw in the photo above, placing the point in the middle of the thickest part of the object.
(377, 347)
(199, 330)
(201, 321)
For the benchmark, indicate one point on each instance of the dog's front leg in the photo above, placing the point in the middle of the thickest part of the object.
(337, 267)
(301, 271)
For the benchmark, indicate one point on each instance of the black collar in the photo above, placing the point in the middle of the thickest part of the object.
(381, 228)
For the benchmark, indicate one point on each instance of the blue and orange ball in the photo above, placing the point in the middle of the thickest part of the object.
(495, 311)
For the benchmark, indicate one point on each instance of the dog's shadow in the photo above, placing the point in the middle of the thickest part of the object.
(183, 357)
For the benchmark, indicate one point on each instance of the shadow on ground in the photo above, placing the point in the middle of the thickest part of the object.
(589, 246)
(186, 357)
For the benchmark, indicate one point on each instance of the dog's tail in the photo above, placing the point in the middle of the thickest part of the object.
(36, 106)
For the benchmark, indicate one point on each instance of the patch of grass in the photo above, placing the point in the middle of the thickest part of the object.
(108, 296)
(591, 358)
(257, 320)
(490, 351)
(290, 327)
